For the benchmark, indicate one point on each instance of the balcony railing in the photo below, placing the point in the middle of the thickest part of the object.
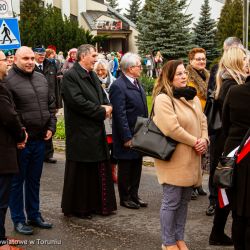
(109, 25)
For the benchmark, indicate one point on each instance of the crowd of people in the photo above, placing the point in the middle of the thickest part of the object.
(102, 98)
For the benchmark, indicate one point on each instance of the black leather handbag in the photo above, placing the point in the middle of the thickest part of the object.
(212, 113)
(150, 141)
(224, 172)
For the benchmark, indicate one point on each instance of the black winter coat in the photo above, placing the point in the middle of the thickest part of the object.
(235, 123)
(50, 71)
(128, 102)
(236, 115)
(34, 105)
(219, 136)
(83, 96)
(11, 132)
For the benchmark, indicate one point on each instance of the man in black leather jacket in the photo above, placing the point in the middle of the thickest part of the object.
(36, 110)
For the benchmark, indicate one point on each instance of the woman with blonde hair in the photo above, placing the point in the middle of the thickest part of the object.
(232, 71)
(178, 114)
(158, 63)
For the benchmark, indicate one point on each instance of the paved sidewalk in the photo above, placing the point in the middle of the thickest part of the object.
(127, 229)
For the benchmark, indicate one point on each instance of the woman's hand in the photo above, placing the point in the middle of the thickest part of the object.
(201, 146)
(128, 144)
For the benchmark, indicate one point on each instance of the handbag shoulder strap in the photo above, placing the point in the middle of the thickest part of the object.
(152, 109)
(243, 141)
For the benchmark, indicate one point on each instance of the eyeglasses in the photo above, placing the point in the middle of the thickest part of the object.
(180, 74)
(137, 66)
(102, 69)
(40, 54)
(4, 60)
(200, 59)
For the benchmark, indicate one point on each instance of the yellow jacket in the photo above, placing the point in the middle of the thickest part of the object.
(195, 80)
(199, 95)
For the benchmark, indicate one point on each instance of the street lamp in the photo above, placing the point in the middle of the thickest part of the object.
(245, 22)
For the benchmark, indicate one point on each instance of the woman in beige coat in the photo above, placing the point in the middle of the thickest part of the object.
(178, 114)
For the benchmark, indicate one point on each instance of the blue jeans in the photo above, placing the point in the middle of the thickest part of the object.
(26, 184)
(173, 213)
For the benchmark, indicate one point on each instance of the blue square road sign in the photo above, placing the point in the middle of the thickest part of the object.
(9, 34)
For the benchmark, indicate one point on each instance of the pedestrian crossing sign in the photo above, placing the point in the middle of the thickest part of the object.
(9, 34)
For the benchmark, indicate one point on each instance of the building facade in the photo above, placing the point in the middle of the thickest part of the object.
(100, 19)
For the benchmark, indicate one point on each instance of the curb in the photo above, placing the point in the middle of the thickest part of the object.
(59, 146)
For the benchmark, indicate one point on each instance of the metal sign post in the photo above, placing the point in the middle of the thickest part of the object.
(245, 22)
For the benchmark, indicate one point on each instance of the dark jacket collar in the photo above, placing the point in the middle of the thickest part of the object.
(90, 76)
(129, 84)
(248, 80)
(81, 70)
(21, 72)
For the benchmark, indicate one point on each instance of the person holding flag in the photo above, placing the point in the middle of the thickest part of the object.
(236, 124)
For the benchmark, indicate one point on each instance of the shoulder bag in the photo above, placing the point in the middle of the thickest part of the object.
(150, 141)
(224, 172)
(212, 113)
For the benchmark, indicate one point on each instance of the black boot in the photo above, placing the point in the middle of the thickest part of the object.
(219, 239)
(194, 195)
(201, 191)
(217, 236)
(211, 209)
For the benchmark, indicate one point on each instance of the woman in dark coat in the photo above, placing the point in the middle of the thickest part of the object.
(231, 72)
(236, 122)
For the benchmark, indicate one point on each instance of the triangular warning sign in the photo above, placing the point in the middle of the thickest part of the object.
(6, 35)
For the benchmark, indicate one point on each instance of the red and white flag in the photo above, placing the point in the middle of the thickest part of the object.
(222, 197)
(244, 152)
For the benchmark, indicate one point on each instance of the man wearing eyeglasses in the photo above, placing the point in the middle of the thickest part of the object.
(12, 132)
(129, 101)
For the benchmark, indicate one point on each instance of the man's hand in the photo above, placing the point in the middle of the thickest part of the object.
(201, 146)
(21, 145)
(48, 135)
(128, 144)
(108, 110)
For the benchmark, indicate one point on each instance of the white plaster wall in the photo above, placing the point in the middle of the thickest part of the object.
(65, 7)
(132, 40)
(92, 5)
(82, 6)
(106, 18)
(49, 2)
(16, 6)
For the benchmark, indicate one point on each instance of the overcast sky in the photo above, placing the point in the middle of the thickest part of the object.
(194, 7)
(124, 4)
